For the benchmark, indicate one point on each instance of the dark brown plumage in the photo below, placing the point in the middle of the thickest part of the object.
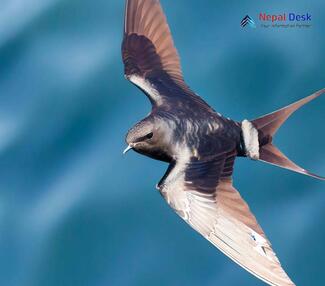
(200, 145)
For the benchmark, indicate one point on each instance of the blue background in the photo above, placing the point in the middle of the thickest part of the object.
(74, 211)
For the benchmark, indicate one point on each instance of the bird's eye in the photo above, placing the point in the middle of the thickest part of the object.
(149, 136)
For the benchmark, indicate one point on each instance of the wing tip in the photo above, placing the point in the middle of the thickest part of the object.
(146, 18)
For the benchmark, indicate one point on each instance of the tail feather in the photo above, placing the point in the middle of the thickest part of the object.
(270, 123)
(267, 127)
(272, 155)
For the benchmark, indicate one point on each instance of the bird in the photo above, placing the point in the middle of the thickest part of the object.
(200, 145)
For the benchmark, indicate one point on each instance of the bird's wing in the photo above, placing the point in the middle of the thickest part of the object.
(200, 190)
(150, 58)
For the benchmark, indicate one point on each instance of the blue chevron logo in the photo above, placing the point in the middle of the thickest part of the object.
(247, 21)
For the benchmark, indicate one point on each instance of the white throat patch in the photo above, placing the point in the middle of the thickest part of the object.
(250, 136)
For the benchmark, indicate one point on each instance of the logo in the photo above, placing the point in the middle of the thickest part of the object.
(291, 17)
(247, 21)
(285, 20)
(278, 20)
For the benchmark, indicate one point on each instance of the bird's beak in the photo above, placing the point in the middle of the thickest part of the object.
(127, 149)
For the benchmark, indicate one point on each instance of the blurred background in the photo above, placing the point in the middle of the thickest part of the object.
(74, 211)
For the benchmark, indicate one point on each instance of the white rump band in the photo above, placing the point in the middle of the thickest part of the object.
(250, 136)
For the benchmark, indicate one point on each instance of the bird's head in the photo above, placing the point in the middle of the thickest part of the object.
(141, 136)
(148, 137)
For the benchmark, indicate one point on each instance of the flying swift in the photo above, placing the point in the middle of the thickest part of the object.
(200, 145)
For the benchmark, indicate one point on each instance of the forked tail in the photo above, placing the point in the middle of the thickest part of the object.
(258, 136)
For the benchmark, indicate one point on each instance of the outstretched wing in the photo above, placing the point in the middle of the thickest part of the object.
(150, 58)
(202, 193)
